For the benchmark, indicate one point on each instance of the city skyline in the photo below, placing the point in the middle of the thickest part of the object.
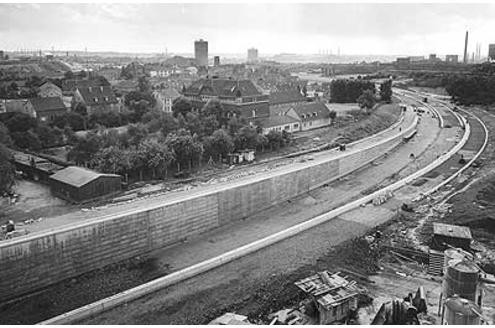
(233, 28)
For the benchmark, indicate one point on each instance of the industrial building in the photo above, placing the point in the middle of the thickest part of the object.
(446, 235)
(452, 59)
(80, 184)
(201, 52)
(491, 51)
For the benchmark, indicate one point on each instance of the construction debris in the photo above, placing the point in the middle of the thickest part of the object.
(230, 319)
(335, 297)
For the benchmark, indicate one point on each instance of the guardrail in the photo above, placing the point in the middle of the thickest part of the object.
(173, 278)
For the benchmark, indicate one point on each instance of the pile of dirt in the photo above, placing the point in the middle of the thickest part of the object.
(84, 289)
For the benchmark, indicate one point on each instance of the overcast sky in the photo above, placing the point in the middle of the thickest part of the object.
(231, 28)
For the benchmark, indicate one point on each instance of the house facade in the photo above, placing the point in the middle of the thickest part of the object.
(47, 108)
(280, 123)
(241, 97)
(312, 115)
(165, 98)
(97, 98)
(49, 89)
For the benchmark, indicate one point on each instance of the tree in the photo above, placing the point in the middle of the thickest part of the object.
(181, 106)
(275, 139)
(158, 156)
(49, 137)
(7, 170)
(185, 147)
(367, 100)
(246, 138)
(69, 75)
(20, 122)
(386, 91)
(112, 159)
(218, 145)
(5, 135)
(215, 108)
(137, 133)
(26, 140)
(85, 148)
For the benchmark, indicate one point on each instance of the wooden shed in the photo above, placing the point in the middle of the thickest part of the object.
(79, 184)
(334, 296)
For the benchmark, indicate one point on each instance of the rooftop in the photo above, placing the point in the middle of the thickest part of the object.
(43, 104)
(277, 121)
(222, 87)
(78, 176)
(286, 96)
(97, 95)
(308, 110)
(452, 231)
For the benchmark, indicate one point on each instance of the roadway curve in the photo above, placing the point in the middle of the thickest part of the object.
(295, 251)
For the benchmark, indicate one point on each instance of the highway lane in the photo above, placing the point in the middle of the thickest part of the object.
(228, 236)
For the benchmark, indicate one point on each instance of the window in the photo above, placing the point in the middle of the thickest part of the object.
(253, 113)
(315, 114)
(287, 127)
(296, 126)
(95, 99)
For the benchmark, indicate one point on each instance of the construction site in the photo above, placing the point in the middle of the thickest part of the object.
(395, 229)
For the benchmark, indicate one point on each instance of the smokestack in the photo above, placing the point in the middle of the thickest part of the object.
(465, 48)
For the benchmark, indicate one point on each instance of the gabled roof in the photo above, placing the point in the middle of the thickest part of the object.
(44, 104)
(168, 93)
(78, 176)
(286, 96)
(223, 88)
(97, 95)
(277, 120)
(49, 84)
(72, 85)
(308, 109)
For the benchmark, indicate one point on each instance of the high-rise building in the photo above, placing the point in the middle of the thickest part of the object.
(252, 55)
(201, 52)
(491, 51)
(216, 61)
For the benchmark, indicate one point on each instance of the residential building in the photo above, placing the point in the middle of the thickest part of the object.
(452, 59)
(165, 98)
(19, 106)
(216, 61)
(201, 52)
(280, 123)
(80, 184)
(48, 89)
(240, 97)
(47, 108)
(97, 98)
(311, 115)
(491, 51)
(70, 86)
(286, 97)
(252, 55)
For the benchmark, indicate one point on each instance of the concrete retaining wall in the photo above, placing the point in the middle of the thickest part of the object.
(34, 262)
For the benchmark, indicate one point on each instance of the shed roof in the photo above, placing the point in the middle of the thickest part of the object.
(78, 176)
(452, 231)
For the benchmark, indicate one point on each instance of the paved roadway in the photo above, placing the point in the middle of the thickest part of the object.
(430, 142)
(190, 192)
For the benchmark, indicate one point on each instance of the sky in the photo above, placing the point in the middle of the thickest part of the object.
(357, 29)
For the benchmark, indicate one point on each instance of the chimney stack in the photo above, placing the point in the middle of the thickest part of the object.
(465, 48)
